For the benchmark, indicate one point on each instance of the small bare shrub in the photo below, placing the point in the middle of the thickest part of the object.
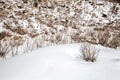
(88, 52)
(117, 1)
(18, 30)
(4, 34)
(37, 42)
(4, 50)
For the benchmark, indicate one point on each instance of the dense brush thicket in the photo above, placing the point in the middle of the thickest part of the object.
(38, 23)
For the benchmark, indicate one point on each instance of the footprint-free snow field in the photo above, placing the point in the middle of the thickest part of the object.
(61, 62)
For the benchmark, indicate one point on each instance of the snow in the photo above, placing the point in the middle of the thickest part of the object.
(61, 63)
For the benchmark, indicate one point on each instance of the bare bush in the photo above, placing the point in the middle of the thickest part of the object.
(37, 42)
(88, 52)
(117, 1)
(4, 50)
(28, 46)
(4, 34)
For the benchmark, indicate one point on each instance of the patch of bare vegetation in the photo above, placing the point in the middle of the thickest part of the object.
(89, 52)
(109, 35)
(10, 46)
(47, 22)
(4, 34)
(18, 30)
(4, 50)
(117, 1)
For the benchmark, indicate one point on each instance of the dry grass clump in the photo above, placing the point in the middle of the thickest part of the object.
(109, 35)
(109, 40)
(3, 12)
(58, 38)
(89, 52)
(18, 30)
(4, 34)
(4, 49)
(10, 45)
(76, 37)
(33, 43)
(115, 41)
(33, 35)
(117, 1)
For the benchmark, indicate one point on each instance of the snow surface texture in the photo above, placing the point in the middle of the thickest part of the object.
(59, 22)
(61, 63)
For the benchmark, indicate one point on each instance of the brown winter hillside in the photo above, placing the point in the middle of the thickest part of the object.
(36, 23)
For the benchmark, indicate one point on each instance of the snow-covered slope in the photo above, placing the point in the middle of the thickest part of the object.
(61, 63)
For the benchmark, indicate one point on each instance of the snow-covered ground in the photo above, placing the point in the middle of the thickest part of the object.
(61, 63)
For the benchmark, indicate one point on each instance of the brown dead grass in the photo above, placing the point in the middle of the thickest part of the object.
(3, 12)
(115, 1)
(17, 37)
(109, 35)
(89, 52)
(33, 35)
(4, 34)
(20, 31)
(4, 49)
